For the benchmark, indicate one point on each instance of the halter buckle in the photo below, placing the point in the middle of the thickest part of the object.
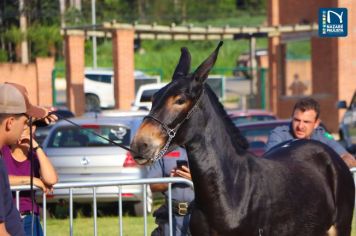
(171, 133)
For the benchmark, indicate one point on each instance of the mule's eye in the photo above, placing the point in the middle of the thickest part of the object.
(180, 101)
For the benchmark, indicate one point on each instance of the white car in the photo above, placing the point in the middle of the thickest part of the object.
(99, 87)
(143, 100)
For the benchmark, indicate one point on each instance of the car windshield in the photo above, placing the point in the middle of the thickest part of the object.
(84, 136)
(244, 119)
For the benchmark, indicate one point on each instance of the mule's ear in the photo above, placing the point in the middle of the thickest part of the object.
(183, 66)
(203, 70)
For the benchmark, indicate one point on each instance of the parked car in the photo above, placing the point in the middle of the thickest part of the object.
(257, 133)
(250, 115)
(43, 128)
(347, 127)
(143, 99)
(79, 155)
(99, 87)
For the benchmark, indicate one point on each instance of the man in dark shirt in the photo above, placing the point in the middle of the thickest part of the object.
(15, 109)
(306, 125)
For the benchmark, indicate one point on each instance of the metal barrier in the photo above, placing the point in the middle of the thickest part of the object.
(93, 185)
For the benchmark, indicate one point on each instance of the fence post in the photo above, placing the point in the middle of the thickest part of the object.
(263, 87)
(54, 91)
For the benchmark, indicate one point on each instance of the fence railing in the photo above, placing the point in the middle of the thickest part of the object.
(94, 185)
(119, 184)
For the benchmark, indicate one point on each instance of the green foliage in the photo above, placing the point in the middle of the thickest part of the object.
(44, 39)
(164, 55)
(14, 35)
(3, 55)
(299, 50)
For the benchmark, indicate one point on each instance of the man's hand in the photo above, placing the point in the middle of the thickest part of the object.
(349, 160)
(183, 172)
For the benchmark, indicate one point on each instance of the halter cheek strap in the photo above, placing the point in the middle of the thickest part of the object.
(172, 132)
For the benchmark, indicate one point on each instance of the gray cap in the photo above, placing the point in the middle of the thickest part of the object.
(14, 100)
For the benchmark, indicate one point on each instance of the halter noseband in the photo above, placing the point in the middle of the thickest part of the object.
(172, 132)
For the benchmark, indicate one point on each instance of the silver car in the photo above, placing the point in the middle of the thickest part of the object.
(81, 156)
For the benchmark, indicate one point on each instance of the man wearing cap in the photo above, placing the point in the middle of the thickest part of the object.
(15, 110)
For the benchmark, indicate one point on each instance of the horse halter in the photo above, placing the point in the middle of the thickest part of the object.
(172, 132)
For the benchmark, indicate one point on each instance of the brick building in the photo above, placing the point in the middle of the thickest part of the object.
(333, 60)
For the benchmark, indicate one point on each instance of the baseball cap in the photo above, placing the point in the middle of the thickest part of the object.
(14, 100)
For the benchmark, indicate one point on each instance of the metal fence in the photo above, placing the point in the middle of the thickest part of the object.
(119, 184)
(94, 185)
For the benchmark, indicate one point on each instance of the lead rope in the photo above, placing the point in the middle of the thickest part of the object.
(95, 133)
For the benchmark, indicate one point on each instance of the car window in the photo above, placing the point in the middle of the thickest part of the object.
(244, 119)
(84, 137)
(147, 95)
(106, 79)
(100, 78)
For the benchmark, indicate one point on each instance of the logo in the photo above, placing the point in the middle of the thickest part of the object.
(332, 22)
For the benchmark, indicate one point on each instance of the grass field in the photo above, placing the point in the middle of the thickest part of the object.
(132, 226)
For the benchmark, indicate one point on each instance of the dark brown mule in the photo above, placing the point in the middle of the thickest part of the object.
(302, 188)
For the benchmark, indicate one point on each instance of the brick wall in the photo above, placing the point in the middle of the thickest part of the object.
(36, 77)
(333, 60)
(123, 61)
(74, 51)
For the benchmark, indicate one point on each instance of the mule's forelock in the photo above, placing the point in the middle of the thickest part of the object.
(202, 72)
(183, 66)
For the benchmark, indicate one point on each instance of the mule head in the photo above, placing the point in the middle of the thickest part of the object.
(166, 125)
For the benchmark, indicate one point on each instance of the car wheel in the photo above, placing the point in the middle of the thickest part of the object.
(92, 102)
(138, 207)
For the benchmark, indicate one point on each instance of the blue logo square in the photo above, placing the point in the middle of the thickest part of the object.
(332, 22)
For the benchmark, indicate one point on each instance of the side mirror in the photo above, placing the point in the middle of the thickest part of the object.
(341, 104)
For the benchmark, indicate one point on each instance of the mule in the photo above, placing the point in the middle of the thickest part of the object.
(302, 188)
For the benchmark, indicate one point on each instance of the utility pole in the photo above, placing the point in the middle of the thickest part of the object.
(23, 29)
(93, 20)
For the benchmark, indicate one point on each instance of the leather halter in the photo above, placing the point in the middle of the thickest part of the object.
(172, 132)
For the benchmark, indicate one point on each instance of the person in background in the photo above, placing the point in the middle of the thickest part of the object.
(182, 194)
(17, 158)
(15, 110)
(305, 124)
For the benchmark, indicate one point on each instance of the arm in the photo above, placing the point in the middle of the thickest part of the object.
(3, 231)
(339, 149)
(184, 172)
(349, 160)
(47, 171)
(273, 140)
(156, 171)
(159, 187)
(25, 180)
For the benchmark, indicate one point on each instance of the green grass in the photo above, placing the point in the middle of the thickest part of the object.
(132, 226)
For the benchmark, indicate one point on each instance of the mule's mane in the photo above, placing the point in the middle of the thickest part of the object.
(231, 128)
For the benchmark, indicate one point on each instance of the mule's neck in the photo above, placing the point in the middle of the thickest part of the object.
(216, 161)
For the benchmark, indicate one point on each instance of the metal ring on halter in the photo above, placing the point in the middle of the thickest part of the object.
(172, 132)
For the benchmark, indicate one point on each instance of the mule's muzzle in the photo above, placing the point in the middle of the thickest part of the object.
(140, 160)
